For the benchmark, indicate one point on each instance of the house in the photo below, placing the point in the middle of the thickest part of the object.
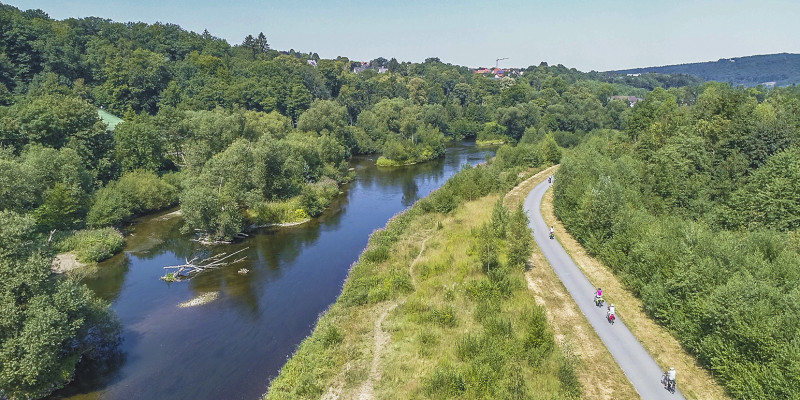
(361, 68)
(312, 63)
(382, 70)
(630, 99)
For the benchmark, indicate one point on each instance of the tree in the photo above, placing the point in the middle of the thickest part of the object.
(486, 243)
(520, 241)
(61, 208)
(134, 193)
(47, 325)
(393, 65)
(298, 101)
(139, 145)
(134, 81)
(261, 43)
(499, 219)
(771, 198)
(323, 115)
(52, 120)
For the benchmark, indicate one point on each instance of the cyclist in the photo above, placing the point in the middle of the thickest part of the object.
(671, 378)
(612, 313)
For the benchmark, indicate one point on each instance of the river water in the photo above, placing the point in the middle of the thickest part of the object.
(231, 347)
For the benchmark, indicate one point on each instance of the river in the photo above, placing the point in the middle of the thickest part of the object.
(231, 347)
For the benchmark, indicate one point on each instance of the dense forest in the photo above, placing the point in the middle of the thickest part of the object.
(245, 135)
(696, 206)
(778, 69)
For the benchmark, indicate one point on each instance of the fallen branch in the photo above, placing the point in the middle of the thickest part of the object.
(195, 266)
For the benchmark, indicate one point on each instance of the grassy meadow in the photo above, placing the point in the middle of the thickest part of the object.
(420, 317)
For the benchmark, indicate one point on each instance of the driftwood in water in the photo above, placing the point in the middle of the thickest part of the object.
(195, 266)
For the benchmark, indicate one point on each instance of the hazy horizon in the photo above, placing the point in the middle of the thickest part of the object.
(578, 34)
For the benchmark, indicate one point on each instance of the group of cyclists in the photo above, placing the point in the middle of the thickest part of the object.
(611, 311)
(668, 380)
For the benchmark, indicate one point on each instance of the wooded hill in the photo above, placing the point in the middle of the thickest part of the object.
(243, 134)
(771, 69)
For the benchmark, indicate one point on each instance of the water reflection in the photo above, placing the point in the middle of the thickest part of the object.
(231, 347)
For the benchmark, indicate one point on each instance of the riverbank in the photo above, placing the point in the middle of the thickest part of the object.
(420, 317)
(295, 274)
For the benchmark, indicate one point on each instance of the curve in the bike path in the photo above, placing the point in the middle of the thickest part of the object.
(636, 363)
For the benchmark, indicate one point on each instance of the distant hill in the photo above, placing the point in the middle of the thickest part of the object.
(772, 69)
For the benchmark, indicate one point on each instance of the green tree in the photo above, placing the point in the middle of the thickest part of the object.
(52, 120)
(47, 325)
(520, 240)
(134, 81)
(62, 208)
(134, 193)
(324, 115)
(771, 198)
(139, 145)
(487, 248)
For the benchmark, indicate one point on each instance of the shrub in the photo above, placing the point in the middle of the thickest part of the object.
(331, 336)
(444, 382)
(272, 212)
(135, 193)
(444, 317)
(314, 198)
(92, 245)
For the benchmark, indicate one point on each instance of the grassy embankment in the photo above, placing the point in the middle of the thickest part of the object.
(693, 381)
(419, 317)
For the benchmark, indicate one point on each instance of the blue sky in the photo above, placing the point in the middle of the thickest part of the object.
(584, 34)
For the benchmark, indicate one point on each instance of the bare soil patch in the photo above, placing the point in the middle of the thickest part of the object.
(65, 262)
(204, 298)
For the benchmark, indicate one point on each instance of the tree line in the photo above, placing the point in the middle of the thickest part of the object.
(190, 101)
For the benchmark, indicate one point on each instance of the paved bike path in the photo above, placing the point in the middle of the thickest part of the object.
(636, 363)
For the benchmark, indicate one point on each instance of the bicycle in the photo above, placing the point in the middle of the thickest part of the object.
(667, 383)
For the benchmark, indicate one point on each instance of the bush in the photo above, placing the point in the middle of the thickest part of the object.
(445, 382)
(314, 198)
(272, 212)
(521, 155)
(135, 193)
(92, 245)
(332, 336)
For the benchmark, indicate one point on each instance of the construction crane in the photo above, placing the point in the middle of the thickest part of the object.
(497, 61)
